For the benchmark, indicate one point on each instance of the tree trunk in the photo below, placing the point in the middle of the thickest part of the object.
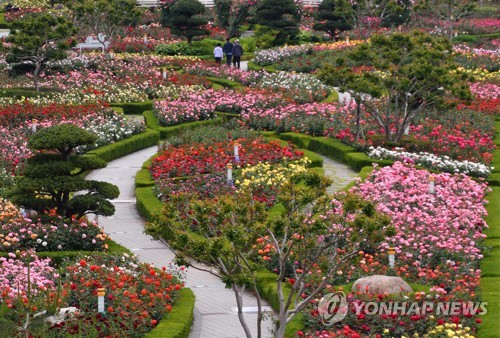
(35, 75)
(239, 302)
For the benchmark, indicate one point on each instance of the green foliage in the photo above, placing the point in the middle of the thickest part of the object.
(222, 13)
(105, 17)
(334, 17)
(281, 16)
(126, 146)
(265, 36)
(187, 20)
(330, 147)
(143, 179)
(134, 108)
(490, 293)
(25, 92)
(179, 320)
(166, 132)
(359, 160)
(147, 203)
(50, 180)
(397, 12)
(38, 38)
(411, 74)
(181, 48)
(249, 44)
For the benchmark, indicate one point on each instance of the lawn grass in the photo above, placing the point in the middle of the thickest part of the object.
(490, 293)
(493, 208)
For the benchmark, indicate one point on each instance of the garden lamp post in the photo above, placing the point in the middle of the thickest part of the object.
(391, 252)
(145, 39)
(111, 54)
(33, 125)
(229, 174)
(236, 152)
(100, 300)
(164, 72)
(432, 185)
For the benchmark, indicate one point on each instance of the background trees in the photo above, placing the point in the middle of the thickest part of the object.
(334, 17)
(103, 18)
(54, 174)
(38, 38)
(409, 74)
(186, 19)
(308, 242)
(280, 16)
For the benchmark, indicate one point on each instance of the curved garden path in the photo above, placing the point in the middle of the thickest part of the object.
(215, 307)
(215, 314)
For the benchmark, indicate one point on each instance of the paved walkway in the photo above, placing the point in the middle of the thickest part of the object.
(215, 309)
(215, 315)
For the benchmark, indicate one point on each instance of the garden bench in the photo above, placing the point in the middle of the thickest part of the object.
(93, 43)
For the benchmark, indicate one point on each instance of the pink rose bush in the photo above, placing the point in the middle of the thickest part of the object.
(447, 224)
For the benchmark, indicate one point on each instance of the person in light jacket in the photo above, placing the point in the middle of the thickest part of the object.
(218, 53)
(237, 53)
(228, 50)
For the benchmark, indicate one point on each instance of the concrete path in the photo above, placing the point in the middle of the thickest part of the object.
(215, 315)
(215, 308)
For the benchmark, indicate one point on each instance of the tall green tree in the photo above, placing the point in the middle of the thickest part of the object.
(281, 16)
(334, 17)
(103, 18)
(187, 19)
(238, 236)
(396, 12)
(53, 175)
(37, 39)
(410, 74)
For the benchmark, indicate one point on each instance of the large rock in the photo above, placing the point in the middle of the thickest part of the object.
(380, 284)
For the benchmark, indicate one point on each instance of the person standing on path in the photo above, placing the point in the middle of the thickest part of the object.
(218, 53)
(228, 50)
(237, 53)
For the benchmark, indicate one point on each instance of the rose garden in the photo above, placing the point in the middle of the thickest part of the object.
(402, 94)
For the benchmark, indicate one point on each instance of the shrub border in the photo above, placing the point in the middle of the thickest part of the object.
(178, 322)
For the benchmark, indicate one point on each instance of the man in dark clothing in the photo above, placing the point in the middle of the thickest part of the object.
(237, 53)
(228, 50)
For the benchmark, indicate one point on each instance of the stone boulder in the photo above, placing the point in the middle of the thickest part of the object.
(381, 284)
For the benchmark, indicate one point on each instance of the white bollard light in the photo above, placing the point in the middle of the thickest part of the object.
(236, 152)
(100, 300)
(229, 174)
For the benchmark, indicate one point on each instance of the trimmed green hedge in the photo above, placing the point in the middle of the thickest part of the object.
(134, 108)
(151, 119)
(359, 160)
(224, 83)
(253, 66)
(300, 140)
(330, 147)
(179, 320)
(143, 179)
(147, 204)
(166, 132)
(119, 110)
(127, 146)
(57, 257)
(333, 97)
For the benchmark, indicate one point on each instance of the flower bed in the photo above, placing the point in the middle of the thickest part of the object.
(431, 161)
(17, 124)
(437, 243)
(138, 295)
(48, 233)
(196, 106)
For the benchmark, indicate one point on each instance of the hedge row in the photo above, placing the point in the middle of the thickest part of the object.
(127, 146)
(57, 257)
(224, 83)
(334, 149)
(134, 108)
(179, 320)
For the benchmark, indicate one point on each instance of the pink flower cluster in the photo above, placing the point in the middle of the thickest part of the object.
(14, 275)
(484, 90)
(191, 106)
(446, 224)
